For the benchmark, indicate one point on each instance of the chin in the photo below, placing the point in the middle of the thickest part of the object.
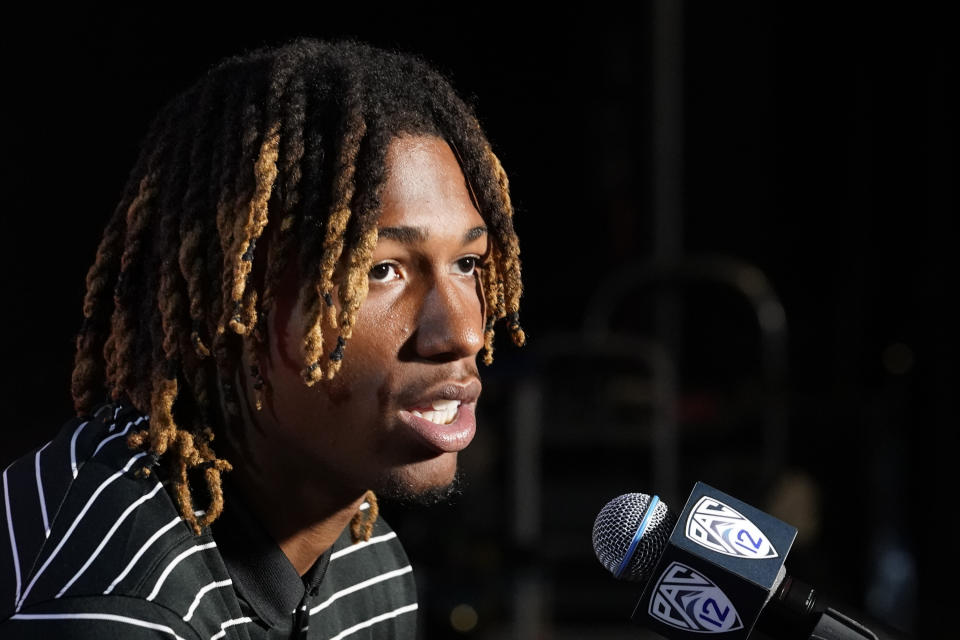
(425, 483)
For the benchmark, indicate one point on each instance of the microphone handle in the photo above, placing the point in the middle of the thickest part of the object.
(798, 612)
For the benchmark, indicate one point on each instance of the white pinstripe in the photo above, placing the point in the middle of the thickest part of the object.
(139, 554)
(73, 447)
(116, 435)
(173, 565)
(83, 512)
(374, 620)
(13, 538)
(361, 545)
(106, 538)
(43, 500)
(97, 616)
(359, 587)
(203, 592)
(226, 625)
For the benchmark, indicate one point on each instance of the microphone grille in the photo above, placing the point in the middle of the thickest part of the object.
(614, 530)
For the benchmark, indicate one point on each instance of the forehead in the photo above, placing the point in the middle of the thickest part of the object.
(425, 186)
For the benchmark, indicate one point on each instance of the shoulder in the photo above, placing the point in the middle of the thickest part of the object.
(50, 496)
(72, 506)
(92, 540)
(96, 618)
(382, 551)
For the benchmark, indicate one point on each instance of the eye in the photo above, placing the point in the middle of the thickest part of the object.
(384, 272)
(467, 265)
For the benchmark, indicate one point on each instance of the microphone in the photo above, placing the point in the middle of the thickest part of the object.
(714, 568)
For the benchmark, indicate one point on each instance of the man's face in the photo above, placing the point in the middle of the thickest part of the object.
(402, 405)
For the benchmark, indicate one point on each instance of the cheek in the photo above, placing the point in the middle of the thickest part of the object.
(364, 379)
(473, 307)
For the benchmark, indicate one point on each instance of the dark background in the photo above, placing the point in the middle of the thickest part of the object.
(815, 145)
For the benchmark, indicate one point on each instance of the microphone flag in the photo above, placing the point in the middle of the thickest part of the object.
(721, 564)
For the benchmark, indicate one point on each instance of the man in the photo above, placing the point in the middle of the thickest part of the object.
(310, 253)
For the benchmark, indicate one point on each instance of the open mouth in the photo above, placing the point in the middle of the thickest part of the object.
(445, 425)
(440, 411)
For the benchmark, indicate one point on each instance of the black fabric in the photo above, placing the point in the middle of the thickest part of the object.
(260, 571)
(96, 549)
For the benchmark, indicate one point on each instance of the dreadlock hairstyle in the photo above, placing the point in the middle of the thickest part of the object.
(290, 142)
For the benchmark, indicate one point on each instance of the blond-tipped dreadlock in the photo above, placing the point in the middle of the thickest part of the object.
(287, 144)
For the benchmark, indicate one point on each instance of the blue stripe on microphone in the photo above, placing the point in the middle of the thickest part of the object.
(636, 537)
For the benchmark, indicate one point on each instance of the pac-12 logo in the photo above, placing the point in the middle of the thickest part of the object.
(723, 529)
(686, 599)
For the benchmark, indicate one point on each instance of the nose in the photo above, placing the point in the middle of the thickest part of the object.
(450, 322)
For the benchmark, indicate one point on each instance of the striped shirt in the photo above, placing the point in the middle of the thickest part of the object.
(95, 550)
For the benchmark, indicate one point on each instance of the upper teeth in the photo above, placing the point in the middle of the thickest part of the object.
(444, 411)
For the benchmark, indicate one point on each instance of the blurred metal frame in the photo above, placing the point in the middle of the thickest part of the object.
(598, 340)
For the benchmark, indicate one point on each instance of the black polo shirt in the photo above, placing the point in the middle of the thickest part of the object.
(96, 550)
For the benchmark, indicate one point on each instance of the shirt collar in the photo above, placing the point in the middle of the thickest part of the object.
(260, 571)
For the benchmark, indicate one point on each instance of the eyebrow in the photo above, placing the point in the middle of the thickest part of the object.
(415, 235)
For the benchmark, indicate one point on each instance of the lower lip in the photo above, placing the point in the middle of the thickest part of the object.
(445, 438)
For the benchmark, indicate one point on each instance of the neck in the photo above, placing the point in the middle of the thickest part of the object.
(302, 519)
(302, 511)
